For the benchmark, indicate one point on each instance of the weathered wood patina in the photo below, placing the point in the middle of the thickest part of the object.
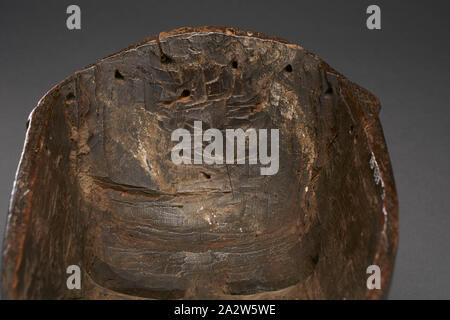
(96, 186)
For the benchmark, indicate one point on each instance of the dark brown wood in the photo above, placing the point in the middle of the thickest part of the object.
(96, 186)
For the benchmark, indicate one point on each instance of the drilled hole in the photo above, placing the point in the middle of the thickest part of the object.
(70, 96)
(118, 75)
(234, 64)
(185, 93)
(165, 58)
(329, 90)
(207, 176)
(315, 259)
(288, 68)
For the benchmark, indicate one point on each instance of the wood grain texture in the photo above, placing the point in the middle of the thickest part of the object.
(96, 186)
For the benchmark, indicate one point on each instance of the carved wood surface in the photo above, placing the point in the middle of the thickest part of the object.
(96, 186)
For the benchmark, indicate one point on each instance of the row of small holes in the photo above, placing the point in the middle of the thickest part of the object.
(234, 65)
(187, 93)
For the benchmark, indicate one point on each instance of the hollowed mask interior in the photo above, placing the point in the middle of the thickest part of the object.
(106, 195)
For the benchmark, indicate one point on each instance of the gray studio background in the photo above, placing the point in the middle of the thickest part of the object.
(406, 65)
